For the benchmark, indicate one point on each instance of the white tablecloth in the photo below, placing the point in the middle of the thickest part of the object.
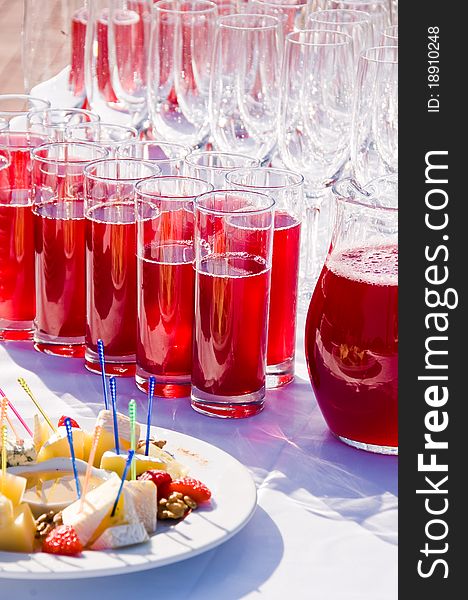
(326, 523)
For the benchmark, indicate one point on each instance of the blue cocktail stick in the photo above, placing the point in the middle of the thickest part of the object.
(151, 384)
(68, 427)
(113, 392)
(100, 349)
(124, 477)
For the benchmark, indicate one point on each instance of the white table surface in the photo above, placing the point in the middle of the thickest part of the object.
(326, 523)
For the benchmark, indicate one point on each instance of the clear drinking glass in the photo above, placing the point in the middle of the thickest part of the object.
(355, 23)
(214, 166)
(233, 244)
(374, 138)
(58, 208)
(168, 156)
(390, 36)
(245, 84)
(379, 10)
(54, 122)
(17, 281)
(292, 14)
(351, 337)
(287, 189)
(79, 23)
(48, 31)
(314, 131)
(15, 107)
(106, 134)
(179, 69)
(111, 304)
(166, 282)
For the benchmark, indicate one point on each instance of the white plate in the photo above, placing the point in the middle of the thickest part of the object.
(234, 498)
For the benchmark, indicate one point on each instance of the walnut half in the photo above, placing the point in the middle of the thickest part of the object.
(176, 506)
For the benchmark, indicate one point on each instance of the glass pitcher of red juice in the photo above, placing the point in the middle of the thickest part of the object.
(351, 339)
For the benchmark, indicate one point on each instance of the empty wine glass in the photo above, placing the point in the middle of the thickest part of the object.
(54, 121)
(292, 13)
(245, 84)
(15, 107)
(374, 137)
(390, 36)
(356, 23)
(179, 69)
(214, 166)
(168, 156)
(48, 29)
(316, 99)
(379, 10)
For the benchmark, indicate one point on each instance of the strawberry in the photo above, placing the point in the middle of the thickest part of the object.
(62, 540)
(61, 422)
(161, 480)
(191, 487)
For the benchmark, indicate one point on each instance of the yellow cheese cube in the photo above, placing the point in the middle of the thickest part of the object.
(107, 440)
(116, 462)
(6, 511)
(13, 486)
(18, 536)
(57, 445)
(87, 443)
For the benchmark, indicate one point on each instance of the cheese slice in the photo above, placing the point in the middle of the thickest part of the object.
(6, 511)
(144, 494)
(116, 462)
(57, 445)
(13, 486)
(106, 439)
(18, 536)
(97, 506)
(41, 432)
(121, 535)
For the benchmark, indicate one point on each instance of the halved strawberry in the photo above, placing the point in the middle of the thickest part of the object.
(61, 422)
(191, 487)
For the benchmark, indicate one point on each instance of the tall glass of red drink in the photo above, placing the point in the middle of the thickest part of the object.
(111, 305)
(166, 282)
(17, 281)
(351, 338)
(233, 244)
(287, 189)
(59, 224)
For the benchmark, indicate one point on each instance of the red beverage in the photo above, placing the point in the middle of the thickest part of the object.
(102, 61)
(165, 316)
(131, 32)
(60, 274)
(352, 344)
(111, 280)
(283, 291)
(230, 334)
(17, 285)
(78, 40)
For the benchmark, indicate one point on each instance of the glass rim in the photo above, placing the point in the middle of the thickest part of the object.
(81, 111)
(209, 7)
(365, 55)
(223, 22)
(283, 4)
(104, 124)
(144, 143)
(28, 97)
(134, 161)
(149, 195)
(347, 39)
(364, 190)
(294, 174)
(53, 161)
(221, 212)
(46, 139)
(362, 14)
(368, 2)
(216, 153)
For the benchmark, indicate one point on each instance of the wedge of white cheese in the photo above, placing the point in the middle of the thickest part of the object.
(144, 494)
(121, 535)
